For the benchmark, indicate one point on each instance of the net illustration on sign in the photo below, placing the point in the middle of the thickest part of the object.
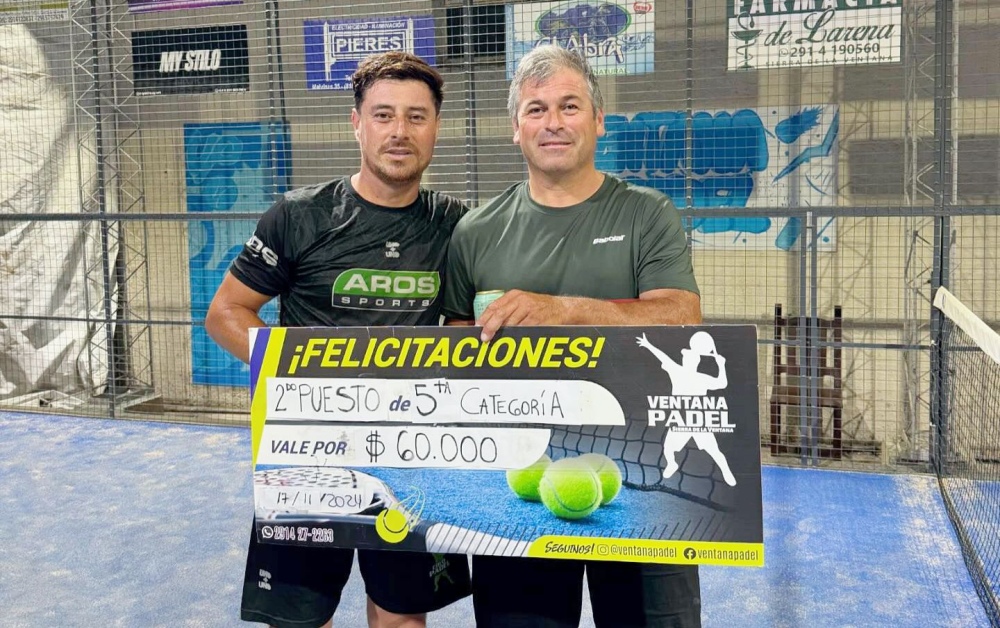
(607, 443)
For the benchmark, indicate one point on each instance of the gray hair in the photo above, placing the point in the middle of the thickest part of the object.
(544, 61)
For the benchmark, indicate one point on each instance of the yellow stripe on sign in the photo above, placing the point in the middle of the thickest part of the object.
(649, 551)
(268, 369)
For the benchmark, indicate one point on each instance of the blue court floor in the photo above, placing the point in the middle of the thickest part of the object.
(115, 523)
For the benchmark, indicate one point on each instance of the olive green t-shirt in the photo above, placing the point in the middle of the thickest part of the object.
(622, 241)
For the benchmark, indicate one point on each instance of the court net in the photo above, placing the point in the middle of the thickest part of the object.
(969, 469)
(640, 449)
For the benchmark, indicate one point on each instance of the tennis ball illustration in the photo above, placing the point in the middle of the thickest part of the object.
(392, 525)
(524, 482)
(570, 489)
(609, 474)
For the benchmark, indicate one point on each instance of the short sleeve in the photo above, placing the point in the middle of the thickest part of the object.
(664, 254)
(265, 264)
(459, 289)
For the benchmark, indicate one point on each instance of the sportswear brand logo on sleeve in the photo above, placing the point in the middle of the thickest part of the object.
(397, 291)
(257, 249)
(605, 240)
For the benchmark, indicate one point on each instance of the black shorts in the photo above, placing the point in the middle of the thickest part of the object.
(547, 593)
(288, 586)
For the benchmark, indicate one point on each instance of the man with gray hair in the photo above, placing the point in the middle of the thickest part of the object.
(572, 246)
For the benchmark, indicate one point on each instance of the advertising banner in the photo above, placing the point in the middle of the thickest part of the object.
(146, 6)
(615, 37)
(191, 60)
(799, 33)
(25, 11)
(334, 47)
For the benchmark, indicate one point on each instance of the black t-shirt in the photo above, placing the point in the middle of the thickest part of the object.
(337, 260)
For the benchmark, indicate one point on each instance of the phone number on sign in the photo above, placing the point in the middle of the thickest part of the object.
(832, 53)
(301, 534)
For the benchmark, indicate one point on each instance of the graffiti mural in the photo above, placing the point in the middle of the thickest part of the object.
(766, 157)
(228, 167)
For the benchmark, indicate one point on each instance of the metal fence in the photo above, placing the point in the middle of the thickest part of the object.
(820, 167)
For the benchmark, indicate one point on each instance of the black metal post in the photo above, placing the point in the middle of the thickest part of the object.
(689, 107)
(943, 91)
(471, 138)
(276, 107)
(102, 204)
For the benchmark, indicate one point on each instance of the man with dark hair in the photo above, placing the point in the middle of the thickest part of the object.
(381, 220)
(395, 66)
(572, 246)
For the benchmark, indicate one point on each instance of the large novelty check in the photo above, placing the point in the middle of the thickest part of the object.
(602, 443)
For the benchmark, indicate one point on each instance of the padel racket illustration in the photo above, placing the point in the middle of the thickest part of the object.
(351, 503)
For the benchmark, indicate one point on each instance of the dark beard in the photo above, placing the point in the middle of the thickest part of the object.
(395, 176)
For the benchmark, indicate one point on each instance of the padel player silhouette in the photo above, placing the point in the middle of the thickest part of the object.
(687, 380)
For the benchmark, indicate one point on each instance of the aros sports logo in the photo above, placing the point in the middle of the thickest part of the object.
(398, 291)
